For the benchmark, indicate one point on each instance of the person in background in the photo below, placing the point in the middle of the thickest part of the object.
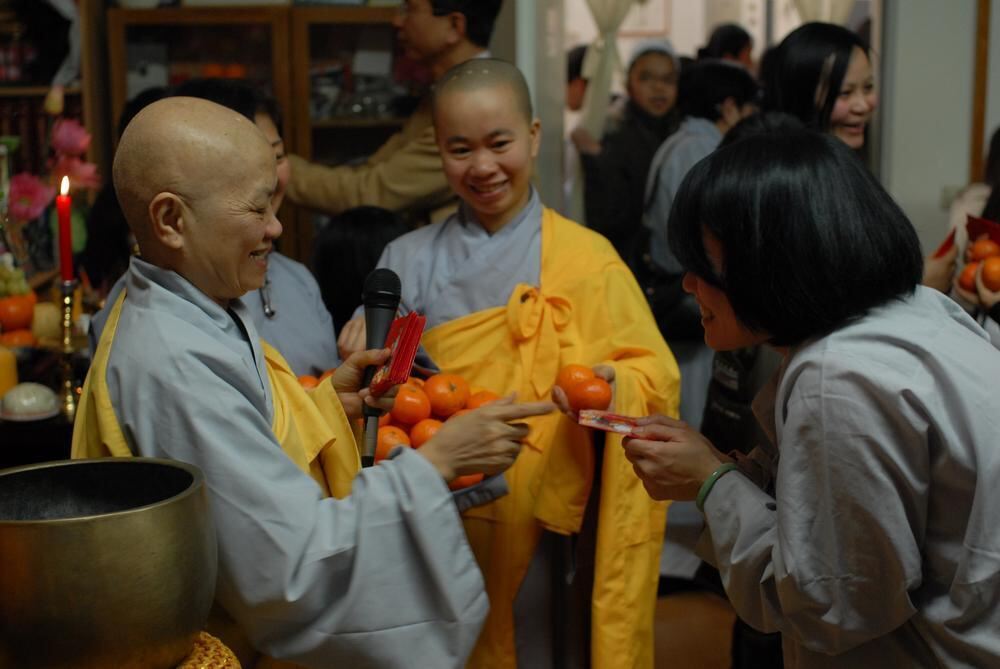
(822, 74)
(939, 272)
(513, 292)
(345, 250)
(288, 310)
(405, 173)
(715, 95)
(729, 41)
(880, 533)
(310, 566)
(576, 83)
(615, 169)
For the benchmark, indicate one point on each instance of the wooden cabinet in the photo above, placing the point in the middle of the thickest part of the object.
(332, 70)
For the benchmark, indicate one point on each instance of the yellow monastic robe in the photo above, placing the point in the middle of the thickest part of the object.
(588, 310)
(311, 427)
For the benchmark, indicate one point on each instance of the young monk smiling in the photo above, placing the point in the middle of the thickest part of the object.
(512, 293)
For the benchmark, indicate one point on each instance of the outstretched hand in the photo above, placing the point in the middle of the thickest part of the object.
(486, 440)
(671, 458)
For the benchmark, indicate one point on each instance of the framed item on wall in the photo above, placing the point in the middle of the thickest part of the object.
(647, 18)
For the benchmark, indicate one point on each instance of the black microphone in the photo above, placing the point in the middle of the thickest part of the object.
(380, 296)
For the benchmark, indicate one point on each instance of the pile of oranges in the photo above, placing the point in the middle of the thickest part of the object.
(987, 252)
(420, 409)
(309, 381)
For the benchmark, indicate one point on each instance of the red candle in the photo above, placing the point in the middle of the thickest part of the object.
(63, 206)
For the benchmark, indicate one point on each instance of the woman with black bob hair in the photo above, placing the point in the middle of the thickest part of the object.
(821, 73)
(878, 546)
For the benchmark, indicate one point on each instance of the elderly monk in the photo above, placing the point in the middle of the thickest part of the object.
(382, 576)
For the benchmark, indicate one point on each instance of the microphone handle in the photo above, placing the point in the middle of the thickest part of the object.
(369, 441)
(378, 320)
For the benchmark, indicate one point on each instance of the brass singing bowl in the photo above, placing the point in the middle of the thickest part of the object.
(104, 563)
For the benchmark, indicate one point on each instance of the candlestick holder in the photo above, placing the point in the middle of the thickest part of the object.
(68, 387)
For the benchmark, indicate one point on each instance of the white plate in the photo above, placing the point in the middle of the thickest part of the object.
(29, 417)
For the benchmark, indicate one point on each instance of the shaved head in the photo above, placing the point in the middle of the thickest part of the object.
(185, 146)
(480, 73)
(196, 181)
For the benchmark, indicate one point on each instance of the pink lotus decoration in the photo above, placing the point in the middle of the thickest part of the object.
(81, 174)
(29, 197)
(69, 138)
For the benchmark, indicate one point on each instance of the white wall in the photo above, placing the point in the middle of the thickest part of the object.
(993, 75)
(928, 61)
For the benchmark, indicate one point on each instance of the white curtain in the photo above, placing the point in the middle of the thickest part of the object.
(599, 66)
(830, 11)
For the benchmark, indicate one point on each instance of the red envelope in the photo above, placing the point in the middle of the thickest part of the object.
(978, 227)
(607, 421)
(403, 340)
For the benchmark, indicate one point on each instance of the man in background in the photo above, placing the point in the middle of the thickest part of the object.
(405, 173)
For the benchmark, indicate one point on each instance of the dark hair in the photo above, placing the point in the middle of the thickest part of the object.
(237, 94)
(139, 102)
(574, 62)
(991, 171)
(810, 240)
(728, 39)
(806, 71)
(759, 124)
(346, 250)
(480, 15)
(705, 84)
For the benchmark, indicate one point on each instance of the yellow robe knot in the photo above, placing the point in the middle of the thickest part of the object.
(535, 321)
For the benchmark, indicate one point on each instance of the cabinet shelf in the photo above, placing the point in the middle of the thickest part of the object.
(347, 122)
(33, 91)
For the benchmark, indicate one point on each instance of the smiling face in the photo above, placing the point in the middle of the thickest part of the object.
(856, 101)
(723, 329)
(652, 83)
(487, 150)
(231, 225)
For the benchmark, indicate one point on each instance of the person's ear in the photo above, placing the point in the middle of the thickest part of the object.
(729, 111)
(459, 27)
(535, 134)
(167, 220)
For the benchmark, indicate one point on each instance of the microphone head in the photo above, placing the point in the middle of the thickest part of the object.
(382, 289)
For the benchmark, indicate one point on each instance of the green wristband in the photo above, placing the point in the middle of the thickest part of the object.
(709, 483)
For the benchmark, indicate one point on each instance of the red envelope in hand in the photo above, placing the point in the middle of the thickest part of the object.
(978, 227)
(946, 245)
(403, 341)
(607, 421)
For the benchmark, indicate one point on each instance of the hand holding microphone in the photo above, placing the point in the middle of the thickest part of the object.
(380, 297)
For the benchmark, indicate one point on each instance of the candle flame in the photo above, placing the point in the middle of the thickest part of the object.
(64, 186)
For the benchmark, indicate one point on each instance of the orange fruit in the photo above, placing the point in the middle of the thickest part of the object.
(983, 248)
(328, 373)
(570, 375)
(411, 405)
(967, 279)
(465, 481)
(389, 437)
(594, 393)
(415, 381)
(15, 338)
(16, 311)
(482, 398)
(385, 419)
(448, 393)
(308, 381)
(991, 273)
(423, 431)
(460, 412)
